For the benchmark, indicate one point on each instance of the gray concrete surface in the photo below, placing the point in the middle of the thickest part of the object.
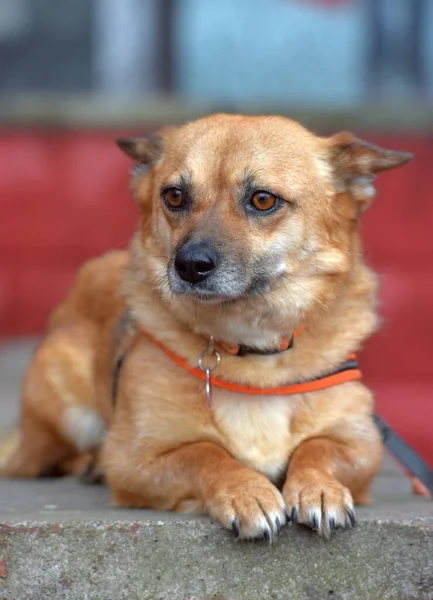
(62, 540)
(14, 357)
(102, 110)
(59, 539)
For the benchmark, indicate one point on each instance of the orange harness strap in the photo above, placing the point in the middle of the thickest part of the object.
(349, 373)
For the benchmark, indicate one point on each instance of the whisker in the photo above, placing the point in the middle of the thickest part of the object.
(292, 281)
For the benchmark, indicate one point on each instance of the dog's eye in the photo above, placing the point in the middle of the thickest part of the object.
(263, 201)
(173, 197)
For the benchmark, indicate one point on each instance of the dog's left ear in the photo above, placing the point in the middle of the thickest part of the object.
(356, 163)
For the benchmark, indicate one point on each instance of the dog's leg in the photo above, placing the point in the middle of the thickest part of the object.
(38, 454)
(60, 419)
(199, 476)
(325, 476)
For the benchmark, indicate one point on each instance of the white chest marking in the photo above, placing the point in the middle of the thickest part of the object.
(255, 429)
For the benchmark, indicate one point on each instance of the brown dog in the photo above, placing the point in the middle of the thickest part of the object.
(249, 233)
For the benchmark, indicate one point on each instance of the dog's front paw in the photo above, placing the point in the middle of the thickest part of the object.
(248, 504)
(319, 501)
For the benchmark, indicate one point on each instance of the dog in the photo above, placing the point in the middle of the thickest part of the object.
(210, 367)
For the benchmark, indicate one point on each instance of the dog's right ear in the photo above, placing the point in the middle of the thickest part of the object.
(144, 150)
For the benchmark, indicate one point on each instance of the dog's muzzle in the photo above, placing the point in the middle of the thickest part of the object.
(195, 262)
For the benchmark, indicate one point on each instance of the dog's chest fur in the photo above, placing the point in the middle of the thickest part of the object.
(255, 429)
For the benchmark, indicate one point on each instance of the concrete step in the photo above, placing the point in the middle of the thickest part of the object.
(62, 540)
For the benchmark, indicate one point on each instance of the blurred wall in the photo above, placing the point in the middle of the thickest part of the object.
(274, 50)
(319, 52)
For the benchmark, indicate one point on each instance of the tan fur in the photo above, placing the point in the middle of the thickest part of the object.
(166, 448)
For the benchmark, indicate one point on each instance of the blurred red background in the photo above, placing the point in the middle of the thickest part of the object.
(64, 198)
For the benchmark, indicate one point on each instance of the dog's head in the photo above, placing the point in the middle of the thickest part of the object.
(243, 206)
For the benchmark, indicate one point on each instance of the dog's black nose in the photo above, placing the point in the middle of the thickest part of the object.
(194, 262)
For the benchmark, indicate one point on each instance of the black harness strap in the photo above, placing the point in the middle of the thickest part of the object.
(348, 365)
(116, 375)
(123, 335)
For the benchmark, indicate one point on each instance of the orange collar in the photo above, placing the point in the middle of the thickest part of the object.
(286, 343)
(347, 372)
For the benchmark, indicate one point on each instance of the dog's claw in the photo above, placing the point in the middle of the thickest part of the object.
(235, 528)
(286, 514)
(332, 524)
(294, 515)
(267, 535)
(351, 516)
(315, 522)
(278, 525)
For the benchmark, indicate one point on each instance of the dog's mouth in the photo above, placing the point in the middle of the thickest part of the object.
(207, 273)
(206, 298)
(204, 293)
(222, 288)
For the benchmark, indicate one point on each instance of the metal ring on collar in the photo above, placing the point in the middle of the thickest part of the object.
(206, 353)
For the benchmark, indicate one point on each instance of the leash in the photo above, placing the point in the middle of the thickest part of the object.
(405, 454)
